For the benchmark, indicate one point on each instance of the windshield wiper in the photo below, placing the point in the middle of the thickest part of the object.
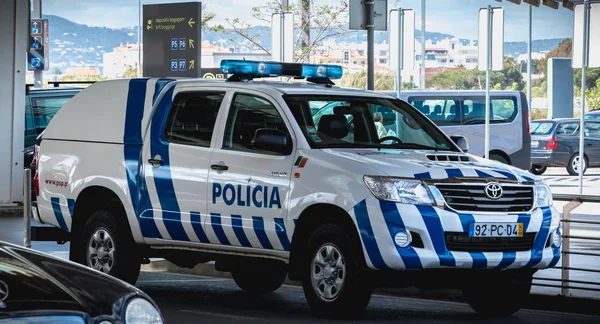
(416, 146)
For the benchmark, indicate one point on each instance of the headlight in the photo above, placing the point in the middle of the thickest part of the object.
(544, 195)
(141, 311)
(399, 190)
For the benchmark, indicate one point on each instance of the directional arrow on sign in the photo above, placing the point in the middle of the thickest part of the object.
(191, 22)
(191, 41)
(192, 64)
(35, 24)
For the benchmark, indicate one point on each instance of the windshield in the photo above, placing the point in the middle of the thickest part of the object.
(360, 122)
(542, 127)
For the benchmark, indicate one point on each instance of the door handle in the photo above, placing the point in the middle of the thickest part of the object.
(156, 162)
(219, 167)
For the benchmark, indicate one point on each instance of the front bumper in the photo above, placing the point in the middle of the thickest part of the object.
(379, 221)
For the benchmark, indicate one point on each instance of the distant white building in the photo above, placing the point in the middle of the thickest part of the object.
(115, 63)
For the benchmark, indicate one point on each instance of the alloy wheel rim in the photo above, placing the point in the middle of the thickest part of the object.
(101, 251)
(328, 272)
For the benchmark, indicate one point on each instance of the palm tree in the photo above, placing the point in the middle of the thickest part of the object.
(206, 17)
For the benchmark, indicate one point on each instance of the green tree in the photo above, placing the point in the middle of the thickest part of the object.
(206, 18)
(131, 72)
(324, 20)
(383, 81)
(564, 49)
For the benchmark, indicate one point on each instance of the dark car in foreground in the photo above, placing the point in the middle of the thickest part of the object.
(38, 288)
(555, 143)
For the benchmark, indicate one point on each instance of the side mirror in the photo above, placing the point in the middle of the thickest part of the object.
(272, 140)
(461, 142)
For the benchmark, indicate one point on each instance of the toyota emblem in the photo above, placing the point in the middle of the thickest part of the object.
(493, 190)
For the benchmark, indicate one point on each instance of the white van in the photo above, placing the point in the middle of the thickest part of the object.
(459, 112)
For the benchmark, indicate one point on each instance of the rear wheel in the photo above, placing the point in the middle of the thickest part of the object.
(105, 244)
(573, 166)
(538, 169)
(498, 294)
(335, 284)
(499, 158)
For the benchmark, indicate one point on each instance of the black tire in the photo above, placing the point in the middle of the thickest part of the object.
(498, 294)
(258, 280)
(355, 293)
(570, 167)
(499, 158)
(126, 260)
(538, 169)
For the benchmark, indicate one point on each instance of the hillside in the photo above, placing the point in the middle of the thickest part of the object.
(75, 44)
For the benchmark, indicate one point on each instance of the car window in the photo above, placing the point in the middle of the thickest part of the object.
(442, 111)
(247, 114)
(44, 108)
(192, 118)
(361, 122)
(570, 129)
(592, 130)
(502, 110)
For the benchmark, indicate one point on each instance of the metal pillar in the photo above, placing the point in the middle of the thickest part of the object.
(140, 23)
(529, 67)
(38, 75)
(27, 207)
(488, 72)
(423, 40)
(400, 64)
(584, 65)
(370, 26)
(284, 5)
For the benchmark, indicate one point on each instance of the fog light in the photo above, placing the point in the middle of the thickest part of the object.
(402, 239)
(556, 239)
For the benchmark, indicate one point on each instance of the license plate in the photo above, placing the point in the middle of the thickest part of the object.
(535, 143)
(496, 230)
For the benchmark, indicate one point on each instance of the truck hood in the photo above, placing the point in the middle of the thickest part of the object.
(426, 164)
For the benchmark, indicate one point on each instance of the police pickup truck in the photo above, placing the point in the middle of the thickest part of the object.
(240, 172)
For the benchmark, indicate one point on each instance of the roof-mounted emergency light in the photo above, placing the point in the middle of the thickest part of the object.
(245, 70)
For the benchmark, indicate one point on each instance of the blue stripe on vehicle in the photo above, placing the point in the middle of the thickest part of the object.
(367, 235)
(215, 222)
(196, 220)
(158, 86)
(424, 175)
(238, 229)
(452, 173)
(162, 175)
(282, 234)
(506, 174)
(482, 174)
(259, 228)
(436, 233)
(58, 213)
(509, 257)
(132, 137)
(528, 178)
(556, 257)
(71, 205)
(541, 238)
(479, 259)
(394, 222)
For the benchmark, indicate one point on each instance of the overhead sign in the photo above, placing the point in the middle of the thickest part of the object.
(403, 48)
(497, 34)
(37, 55)
(172, 39)
(593, 56)
(288, 37)
(358, 15)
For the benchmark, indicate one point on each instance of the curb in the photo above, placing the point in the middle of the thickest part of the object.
(555, 303)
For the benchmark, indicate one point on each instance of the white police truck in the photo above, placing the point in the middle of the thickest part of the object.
(238, 172)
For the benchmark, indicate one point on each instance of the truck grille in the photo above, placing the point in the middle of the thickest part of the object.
(461, 242)
(467, 197)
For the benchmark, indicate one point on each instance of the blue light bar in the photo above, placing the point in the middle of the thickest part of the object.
(275, 69)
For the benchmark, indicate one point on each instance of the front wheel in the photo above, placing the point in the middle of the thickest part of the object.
(105, 244)
(573, 167)
(334, 281)
(499, 294)
(538, 169)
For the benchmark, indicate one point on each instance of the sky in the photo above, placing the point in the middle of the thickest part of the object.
(456, 17)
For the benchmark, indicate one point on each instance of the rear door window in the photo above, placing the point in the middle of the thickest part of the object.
(568, 129)
(441, 110)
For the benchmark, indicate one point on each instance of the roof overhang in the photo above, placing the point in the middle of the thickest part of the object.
(555, 4)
